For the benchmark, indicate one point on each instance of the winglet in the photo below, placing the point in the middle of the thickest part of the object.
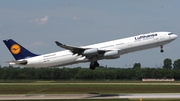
(65, 46)
(73, 49)
(58, 43)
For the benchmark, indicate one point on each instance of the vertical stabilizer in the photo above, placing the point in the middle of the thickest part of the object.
(18, 51)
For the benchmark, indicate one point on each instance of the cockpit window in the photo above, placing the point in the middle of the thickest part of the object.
(170, 33)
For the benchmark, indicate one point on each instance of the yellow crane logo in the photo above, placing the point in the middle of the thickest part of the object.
(15, 49)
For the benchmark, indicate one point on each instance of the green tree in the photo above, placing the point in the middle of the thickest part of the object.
(176, 64)
(137, 65)
(167, 63)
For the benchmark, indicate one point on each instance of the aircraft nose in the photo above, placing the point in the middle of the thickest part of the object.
(175, 36)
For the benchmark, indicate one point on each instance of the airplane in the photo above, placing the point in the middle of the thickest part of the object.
(91, 53)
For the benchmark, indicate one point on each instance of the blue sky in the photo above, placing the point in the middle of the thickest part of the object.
(36, 24)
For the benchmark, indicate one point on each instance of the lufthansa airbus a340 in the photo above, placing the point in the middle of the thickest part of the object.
(91, 53)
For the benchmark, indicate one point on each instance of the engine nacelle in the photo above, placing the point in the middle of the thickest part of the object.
(93, 51)
(111, 54)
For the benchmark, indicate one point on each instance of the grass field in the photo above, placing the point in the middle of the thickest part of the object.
(80, 81)
(105, 100)
(49, 87)
(89, 87)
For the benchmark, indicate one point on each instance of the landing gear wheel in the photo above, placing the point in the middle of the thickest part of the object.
(93, 65)
(96, 64)
(161, 49)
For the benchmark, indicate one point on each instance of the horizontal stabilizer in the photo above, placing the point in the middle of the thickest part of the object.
(23, 62)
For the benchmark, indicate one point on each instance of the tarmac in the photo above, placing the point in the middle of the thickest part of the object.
(90, 96)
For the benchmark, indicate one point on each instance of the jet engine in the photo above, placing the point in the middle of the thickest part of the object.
(111, 54)
(93, 51)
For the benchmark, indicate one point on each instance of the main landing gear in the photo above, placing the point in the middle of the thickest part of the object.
(93, 65)
(161, 49)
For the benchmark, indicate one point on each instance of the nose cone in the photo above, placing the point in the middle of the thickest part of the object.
(174, 36)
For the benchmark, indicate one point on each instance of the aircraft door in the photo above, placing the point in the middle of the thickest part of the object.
(129, 42)
(161, 37)
(41, 61)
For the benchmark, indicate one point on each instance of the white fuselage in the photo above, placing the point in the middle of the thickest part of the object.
(125, 45)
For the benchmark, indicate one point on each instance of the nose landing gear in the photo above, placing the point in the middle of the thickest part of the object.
(161, 49)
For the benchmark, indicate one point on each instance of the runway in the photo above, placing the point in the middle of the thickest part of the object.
(151, 95)
(89, 96)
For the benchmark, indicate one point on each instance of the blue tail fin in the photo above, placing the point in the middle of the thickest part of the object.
(18, 51)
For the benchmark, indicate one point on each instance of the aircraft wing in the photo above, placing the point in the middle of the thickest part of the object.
(76, 50)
